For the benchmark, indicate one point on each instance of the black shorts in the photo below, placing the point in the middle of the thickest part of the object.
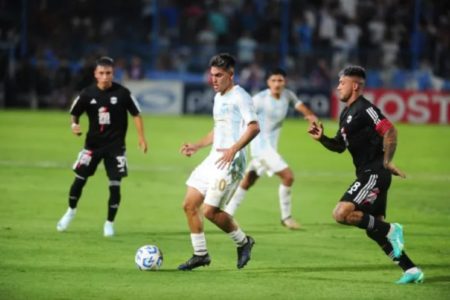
(369, 192)
(115, 162)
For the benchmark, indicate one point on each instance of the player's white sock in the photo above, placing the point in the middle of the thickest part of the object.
(234, 203)
(284, 193)
(238, 236)
(199, 243)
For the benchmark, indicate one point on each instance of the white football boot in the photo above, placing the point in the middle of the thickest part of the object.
(64, 222)
(108, 229)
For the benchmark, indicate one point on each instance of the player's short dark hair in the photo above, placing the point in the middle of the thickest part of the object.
(224, 61)
(104, 61)
(276, 71)
(353, 71)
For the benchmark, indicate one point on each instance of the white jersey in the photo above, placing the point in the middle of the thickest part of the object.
(271, 113)
(232, 112)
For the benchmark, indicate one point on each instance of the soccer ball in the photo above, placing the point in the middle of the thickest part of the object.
(148, 257)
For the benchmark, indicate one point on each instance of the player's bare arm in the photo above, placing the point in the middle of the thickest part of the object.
(139, 123)
(189, 149)
(307, 113)
(333, 144)
(76, 129)
(390, 145)
(228, 154)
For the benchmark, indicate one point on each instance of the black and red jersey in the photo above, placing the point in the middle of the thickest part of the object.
(361, 129)
(107, 111)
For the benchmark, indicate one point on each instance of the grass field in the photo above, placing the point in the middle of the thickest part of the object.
(322, 261)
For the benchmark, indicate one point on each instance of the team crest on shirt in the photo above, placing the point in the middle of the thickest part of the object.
(349, 119)
(113, 100)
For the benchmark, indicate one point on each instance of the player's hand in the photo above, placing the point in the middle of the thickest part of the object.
(227, 158)
(188, 149)
(76, 129)
(394, 170)
(143, 145)
(311, 119)
(316, 130)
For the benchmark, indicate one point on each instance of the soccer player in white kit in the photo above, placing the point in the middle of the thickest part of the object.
(272, 107)
(214, 181)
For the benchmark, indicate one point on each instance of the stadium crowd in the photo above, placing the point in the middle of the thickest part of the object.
(47, 47)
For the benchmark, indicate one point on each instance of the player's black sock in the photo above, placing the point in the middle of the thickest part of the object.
(370, 223)
(75, 191)
(114, 199)
(403, 261)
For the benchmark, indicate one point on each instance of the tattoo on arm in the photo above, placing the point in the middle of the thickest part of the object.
(389, 144)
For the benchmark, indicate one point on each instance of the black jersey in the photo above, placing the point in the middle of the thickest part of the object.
(107, 113)
(361, 129)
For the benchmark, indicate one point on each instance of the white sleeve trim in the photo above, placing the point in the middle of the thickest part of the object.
(136, 103)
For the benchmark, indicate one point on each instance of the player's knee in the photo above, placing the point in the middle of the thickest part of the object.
(354, 218)
(288, 180)
(209, 212)
(340, 216)
(189, 207)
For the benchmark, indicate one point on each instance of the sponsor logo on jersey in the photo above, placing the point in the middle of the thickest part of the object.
(113, 100)
(93, 101)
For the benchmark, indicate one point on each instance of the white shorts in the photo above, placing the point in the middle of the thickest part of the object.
(269, 162)
(217, 185)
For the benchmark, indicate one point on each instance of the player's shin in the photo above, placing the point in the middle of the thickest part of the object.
(370, 223)
(403, 261)
(235, 201)
(198, 241)
(284, 193)
(238, 237)
(114, 199)
(75, 191)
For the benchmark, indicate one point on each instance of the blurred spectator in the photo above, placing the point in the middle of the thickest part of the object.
(64, 36)
(246, 47)
(62, 89)
(389, 49)
(252, 78)
(136, 69)
(206, 40)
(120, 70)
(321, 75)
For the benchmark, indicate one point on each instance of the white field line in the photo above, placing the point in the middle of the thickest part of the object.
(48, 164)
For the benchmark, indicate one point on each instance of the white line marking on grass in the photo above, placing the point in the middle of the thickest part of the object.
(48, 164)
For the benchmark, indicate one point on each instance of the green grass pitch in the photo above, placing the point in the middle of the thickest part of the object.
(324, 260)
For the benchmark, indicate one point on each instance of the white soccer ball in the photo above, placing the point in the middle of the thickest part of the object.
(148, 257)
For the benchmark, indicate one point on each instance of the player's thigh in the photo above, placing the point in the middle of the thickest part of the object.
(199, 178)
(220, 190)
(223, 183)
(193, 199)
(274, 162)
(379, 199)
(86, 163)
(116, 164)
(269, 162)
(368, 192)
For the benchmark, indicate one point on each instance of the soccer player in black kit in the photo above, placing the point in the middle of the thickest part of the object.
(371, 140)
(107, 105)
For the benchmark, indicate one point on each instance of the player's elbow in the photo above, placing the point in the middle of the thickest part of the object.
(255, 128)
